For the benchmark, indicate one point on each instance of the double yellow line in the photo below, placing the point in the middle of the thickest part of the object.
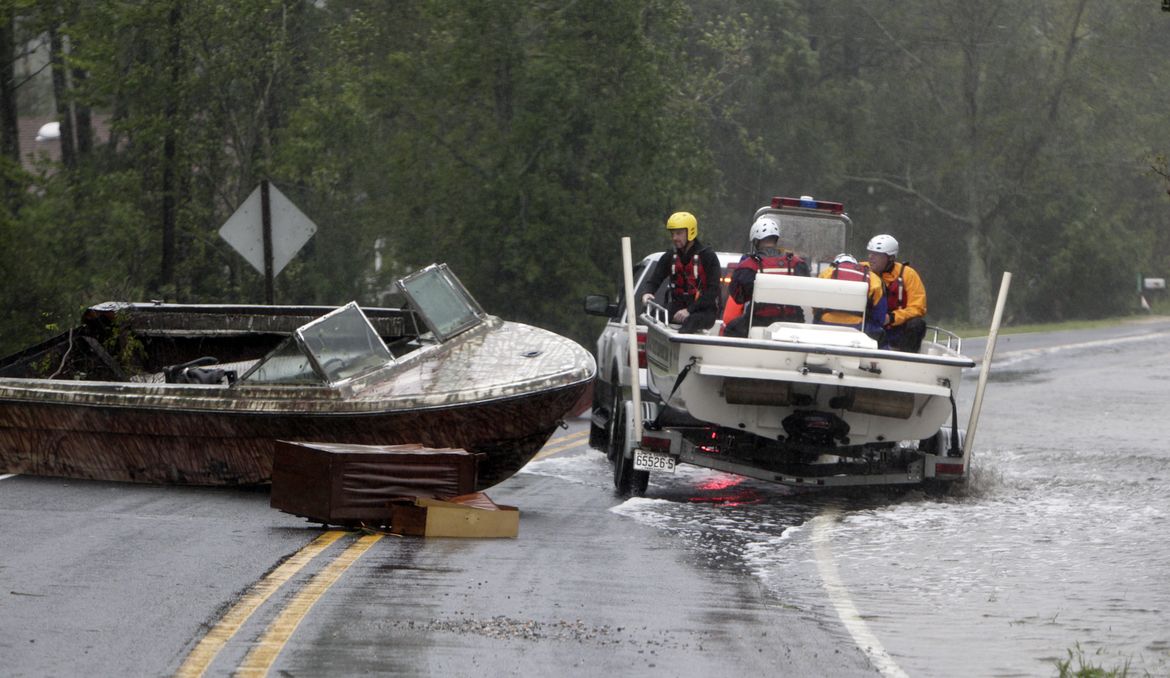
(264, 653)
(561, 444)
(206, 650)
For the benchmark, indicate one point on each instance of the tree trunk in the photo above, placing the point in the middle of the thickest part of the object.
(61, 94)
(81, 114)
(170, 151)
(978, 282)
(9, 132)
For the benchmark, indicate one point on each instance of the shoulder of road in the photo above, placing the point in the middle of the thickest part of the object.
(975, 332)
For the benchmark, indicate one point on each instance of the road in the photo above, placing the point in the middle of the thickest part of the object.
(1060, 541)
(107, 579)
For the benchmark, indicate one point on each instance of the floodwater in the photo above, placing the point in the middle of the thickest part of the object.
(1060, 542)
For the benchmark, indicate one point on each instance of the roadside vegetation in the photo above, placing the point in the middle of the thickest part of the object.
(1078, 666)
(969, 331)
(518, 141)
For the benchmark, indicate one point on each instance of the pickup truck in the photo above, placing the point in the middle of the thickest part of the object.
(612, 386)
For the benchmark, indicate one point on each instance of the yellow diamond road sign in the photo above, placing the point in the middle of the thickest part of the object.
(291, 229)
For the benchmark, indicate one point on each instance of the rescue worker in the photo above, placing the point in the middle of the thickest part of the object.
(767, 257)
(692, 271)
(846, 267)
(905, 322)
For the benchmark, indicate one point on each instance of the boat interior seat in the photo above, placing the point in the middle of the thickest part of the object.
(234, 368)
(842, 295)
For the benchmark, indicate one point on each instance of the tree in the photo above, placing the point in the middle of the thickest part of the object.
(978, 139)
(516, 143)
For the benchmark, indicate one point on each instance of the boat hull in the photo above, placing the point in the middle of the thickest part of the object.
(192, 447)
(768, 388)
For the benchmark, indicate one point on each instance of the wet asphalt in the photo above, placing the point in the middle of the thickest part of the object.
(107, 579)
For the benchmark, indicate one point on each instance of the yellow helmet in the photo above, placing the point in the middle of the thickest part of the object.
(684, 220)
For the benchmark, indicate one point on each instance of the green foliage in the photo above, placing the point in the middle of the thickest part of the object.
(519, 141)
(1076, 666)
(124, 346)
(515, 145)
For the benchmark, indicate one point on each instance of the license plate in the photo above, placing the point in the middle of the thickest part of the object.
(653, 461)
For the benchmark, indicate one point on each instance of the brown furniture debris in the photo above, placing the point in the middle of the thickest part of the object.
(351, 485)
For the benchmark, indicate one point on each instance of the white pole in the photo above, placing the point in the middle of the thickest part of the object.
(988, 352)
(632, 332)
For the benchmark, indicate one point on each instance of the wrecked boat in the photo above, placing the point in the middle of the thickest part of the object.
(197, 394)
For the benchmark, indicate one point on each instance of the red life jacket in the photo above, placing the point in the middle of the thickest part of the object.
(783, 264)
(849, 271)
(846, 270)
(896, 290)
(687, 280)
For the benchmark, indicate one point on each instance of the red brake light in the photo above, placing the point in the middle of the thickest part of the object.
(641, 349)
(650, 443)
(810, 204)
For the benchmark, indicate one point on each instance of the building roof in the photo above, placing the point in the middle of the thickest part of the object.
(31, 149)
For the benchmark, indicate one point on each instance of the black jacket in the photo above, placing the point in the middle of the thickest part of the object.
(708, 299)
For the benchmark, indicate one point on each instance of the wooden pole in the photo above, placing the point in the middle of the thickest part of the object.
(632, 337)
(266, 226)
(988, 353)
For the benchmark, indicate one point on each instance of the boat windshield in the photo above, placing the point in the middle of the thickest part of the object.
(440, 299)
(343, 345)
(338, 346)
(818, 239)
(286, 364)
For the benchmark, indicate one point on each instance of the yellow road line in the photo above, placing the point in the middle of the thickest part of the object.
(265, 652)
(206, 650)
(562, 443)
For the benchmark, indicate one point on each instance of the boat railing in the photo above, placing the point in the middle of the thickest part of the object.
(945, 338)
(657, 312)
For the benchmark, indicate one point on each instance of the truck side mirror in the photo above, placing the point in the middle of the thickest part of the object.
(598, 304)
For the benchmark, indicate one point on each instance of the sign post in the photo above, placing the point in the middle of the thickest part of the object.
(267, 230)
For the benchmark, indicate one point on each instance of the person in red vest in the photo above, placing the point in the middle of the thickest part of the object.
(846, 267)
(905, 322)
(767, 257)
(692, 270)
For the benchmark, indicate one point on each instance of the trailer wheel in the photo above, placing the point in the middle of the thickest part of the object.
(626, 480)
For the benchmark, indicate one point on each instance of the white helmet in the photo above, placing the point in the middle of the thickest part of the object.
(765, 227)
(883, 244)
(844, 258)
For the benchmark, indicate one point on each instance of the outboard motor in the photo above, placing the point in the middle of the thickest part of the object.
(816, 428)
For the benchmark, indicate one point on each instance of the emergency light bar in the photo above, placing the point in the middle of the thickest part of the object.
(808, 203)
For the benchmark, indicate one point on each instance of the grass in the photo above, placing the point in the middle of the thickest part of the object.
(968, 331)
(1076, 666)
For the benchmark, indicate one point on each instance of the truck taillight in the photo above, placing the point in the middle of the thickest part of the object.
(641, 349)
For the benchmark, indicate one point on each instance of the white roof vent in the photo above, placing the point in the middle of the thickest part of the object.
(49, 131)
